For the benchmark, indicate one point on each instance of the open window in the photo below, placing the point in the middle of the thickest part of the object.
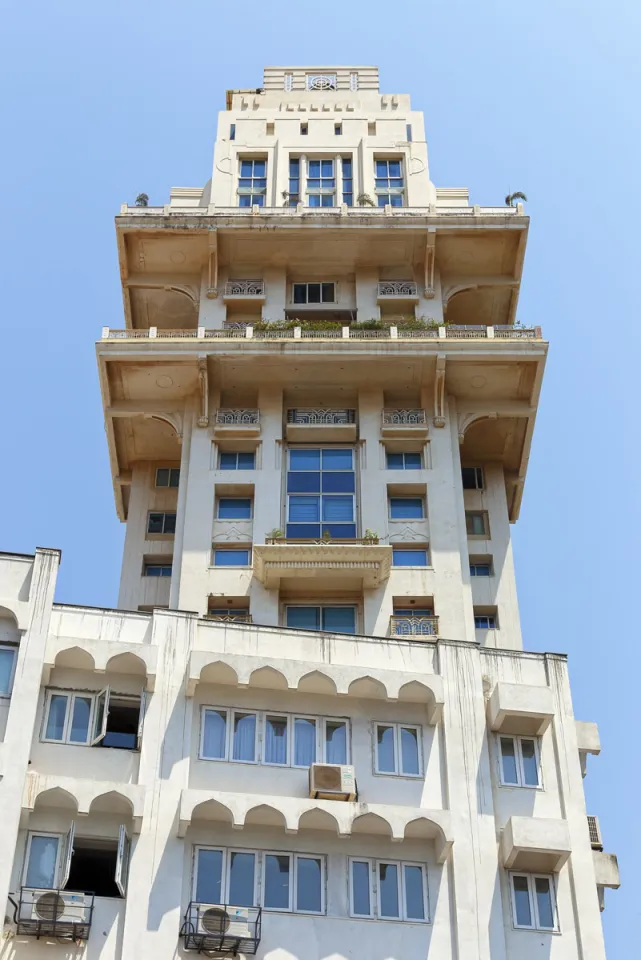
(118, 720)
(86, 864)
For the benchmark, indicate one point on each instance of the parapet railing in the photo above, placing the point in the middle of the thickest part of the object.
(247, 332)
(232, 417)
(401, 289)
(320, 416)
(408, 417)
(418, 626)
(357, 213)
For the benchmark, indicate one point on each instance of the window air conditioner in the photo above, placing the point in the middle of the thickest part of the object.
(332, 781)
(228, 922)
(49, 906)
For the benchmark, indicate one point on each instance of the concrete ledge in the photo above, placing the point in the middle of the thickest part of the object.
(520, 709)
(78, 795)
(535, 844)
(606, 869)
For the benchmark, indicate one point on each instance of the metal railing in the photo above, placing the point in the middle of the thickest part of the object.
(226, 416)
(242, 331)
(244, 288)
(319, 541)
(63, 914)
(517, 333)
(221, 928)
(400, 289)
(407, 417)
(418, 626)
(230, 617)
(316, 416)
(466, 332)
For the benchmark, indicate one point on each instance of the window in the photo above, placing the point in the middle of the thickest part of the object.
(371, 128)
(406, 508)
(167, 476)
(161, 523)
(237, 461)
(338, 129)
(388, 890)
(398, 750)
(480, 567)
(270, 129)
(321, 183)
(485, 621)
(157, 570)
(348, 180)
(389, 182)
(404, 461)
(408, 132)
(472, 478)
(232, 131)
(231, 556)
(293, 196)
(234, 508)
(102, 719)
(252, 183)
(229, 735)
(291, 882)
(533, 901)
(477, 523)
(7, 667)
(409, 557)
(54, 861)
(520, 764)
(321, 494)
(331, 619)
(314, 292)
(303, 129)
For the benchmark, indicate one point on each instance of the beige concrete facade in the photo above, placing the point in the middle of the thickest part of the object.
(319, 415)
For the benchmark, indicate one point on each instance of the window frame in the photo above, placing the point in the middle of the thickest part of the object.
(250, 500)
(479, 478)
(163, 532)
(59, 837)
(486, 535)
(391, 192)
(257, 195)
(375, 891)
(518, 755)
(307, 302)
(169, 485)
(321, 192)
(230, 548)
(404, 454)
(94, 735)
(14, 648)
(321, 606)
(486, 616)
(398, 753)
(401, 548)
(396, 497)
(321, 495)
(230, 713)
(236, 454)
(477, 563)
(158, 566)
(534, 907)
(71, 696)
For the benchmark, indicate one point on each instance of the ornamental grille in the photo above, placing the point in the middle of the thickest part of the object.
(324, 81)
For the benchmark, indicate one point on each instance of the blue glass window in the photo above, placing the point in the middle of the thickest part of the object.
(157, 570)
(237, 461)
(225, 557)
(389, 182)
(332, 619)
(409, 557)
(321, 183)
(252, 183)
(406, 508)
(484, 621)
(321, 488)
(294, 182)
(348, 181)
(234, 508)
(404, 461)
(480, 570)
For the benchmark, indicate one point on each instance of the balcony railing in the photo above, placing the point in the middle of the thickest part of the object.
(315, 416)
(245, 331)
(244, 288)
(405, 417)
(230, 617)
(59, 914)
(228, 417)
(419, 626)
(327, 542)
(359, 213)
(399, 289)
(221, 928)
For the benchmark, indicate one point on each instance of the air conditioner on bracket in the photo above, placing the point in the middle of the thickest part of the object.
(332, 781)
(48, 906)
(227, 922)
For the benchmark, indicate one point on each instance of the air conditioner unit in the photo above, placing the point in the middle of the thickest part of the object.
(49, 906)
(594, 829)
(332, 781)
(224, 922)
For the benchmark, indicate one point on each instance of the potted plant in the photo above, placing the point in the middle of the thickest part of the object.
(275, 534)
(370, 536)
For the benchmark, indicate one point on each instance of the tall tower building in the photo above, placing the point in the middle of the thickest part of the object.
(310, 730)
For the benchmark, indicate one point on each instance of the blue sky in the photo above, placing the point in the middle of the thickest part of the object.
(103, 100)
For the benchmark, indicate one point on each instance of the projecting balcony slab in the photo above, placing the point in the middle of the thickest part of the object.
(244, 291)
(307, 424)
(606, 870)
(538, 845)
(406, 422)
(237, 423)
(400, 293)
(367, 561)
(520, 709)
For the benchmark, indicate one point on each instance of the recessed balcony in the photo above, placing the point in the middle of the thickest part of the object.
(237, 422)
(400, 293)
(404, 422)
(244, 291)
(365, 561)
(420, 627)
(320, 424)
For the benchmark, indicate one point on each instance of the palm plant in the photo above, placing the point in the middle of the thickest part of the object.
(511, 198)
(142, 200)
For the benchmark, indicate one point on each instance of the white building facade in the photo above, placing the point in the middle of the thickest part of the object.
(310, 731)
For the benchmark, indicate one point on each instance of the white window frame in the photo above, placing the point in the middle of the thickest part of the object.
(260, 744)
(27, 854)
(518, 755)
(374, 890)
(71, 696)
(293, 881)
(14, 649)
(225, 868)
(397, 727)
(534, 909)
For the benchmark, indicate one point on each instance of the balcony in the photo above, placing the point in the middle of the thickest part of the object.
(230, 422)
(535, 844)
(230, 617)
(62, 914)
(243, 330)
(401, 293)
(405, 422)
(364, 562)
(419, 627)
(520, 709)
(221, 928)
(243, 291)
(320, 424)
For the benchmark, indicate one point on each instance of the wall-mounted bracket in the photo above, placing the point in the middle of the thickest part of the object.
(203, 387)
(430, 261)
(439, 391)
(212, 265)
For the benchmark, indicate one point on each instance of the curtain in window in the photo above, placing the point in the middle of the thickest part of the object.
(6, 669)
(80, 719)
(41, 871)
(214, 734)
(335, 742)
(304, 742)
(276, 740)
(336, 509)
(56, 719)
(244, 736)
(304, 509)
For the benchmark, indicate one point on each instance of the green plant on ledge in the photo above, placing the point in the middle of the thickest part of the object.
(276, 534)
(326, 535)
(364, 200)
(370, 535)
